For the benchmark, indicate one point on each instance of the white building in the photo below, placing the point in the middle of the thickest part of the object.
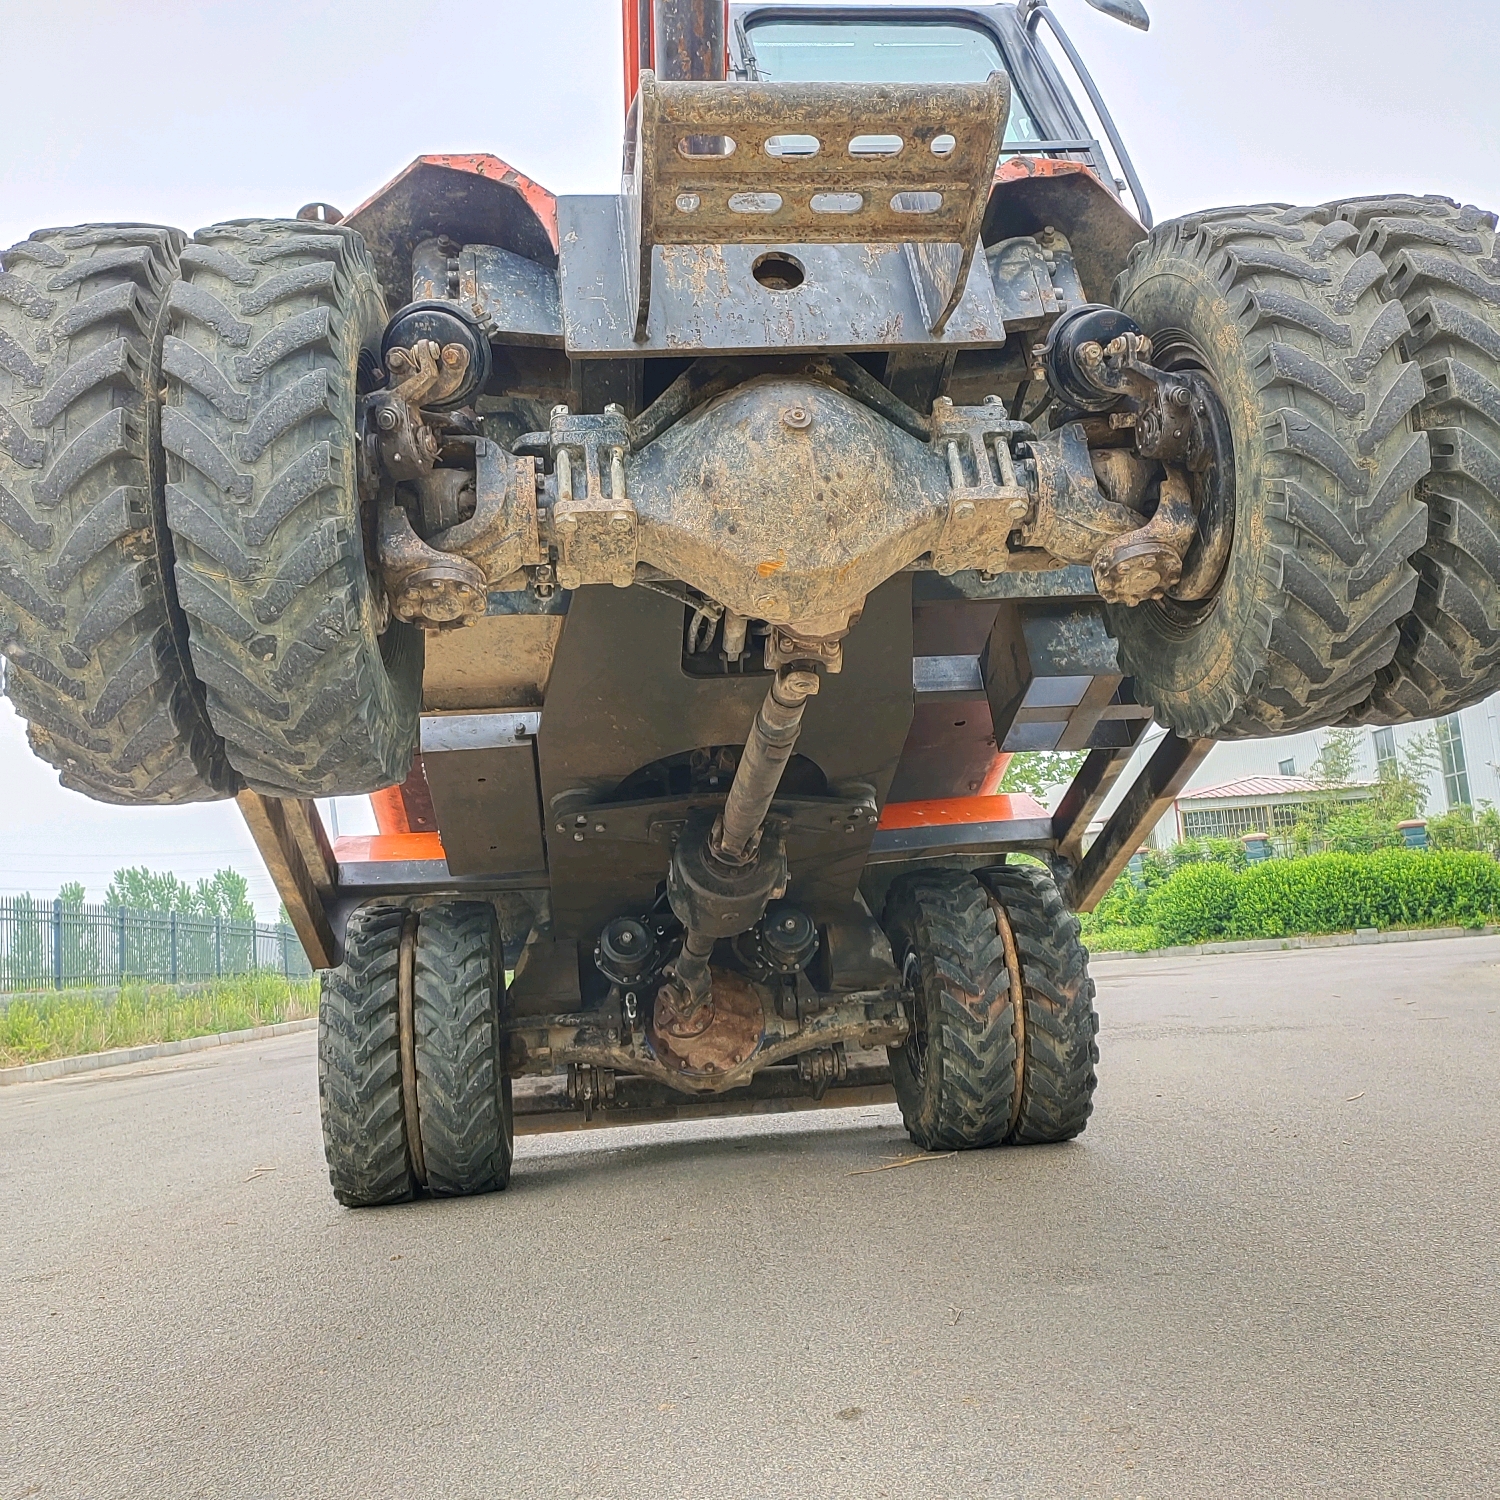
(1468, 744)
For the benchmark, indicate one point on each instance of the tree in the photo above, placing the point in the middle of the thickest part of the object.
(225, 894)
(1331, 819)
(1464, 828)
(1037, 771)
(138, 888)
(216, 934)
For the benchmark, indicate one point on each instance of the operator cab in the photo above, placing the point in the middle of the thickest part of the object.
(793, 43)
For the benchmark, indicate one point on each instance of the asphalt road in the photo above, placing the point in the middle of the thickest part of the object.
(1271, 1267)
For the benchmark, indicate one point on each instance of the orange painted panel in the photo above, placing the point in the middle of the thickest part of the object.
(542, 203)
(377, 847)
(941, 811)
(390, 810)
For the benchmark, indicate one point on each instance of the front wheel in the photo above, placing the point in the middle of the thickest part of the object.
(956, 1075)
(1442, 262)
(1280, 313)
(313, 689)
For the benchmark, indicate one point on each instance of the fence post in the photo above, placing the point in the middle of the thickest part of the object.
(173, 925)
(120, 944)
(286, 954)
(218, 945)
(57, 963)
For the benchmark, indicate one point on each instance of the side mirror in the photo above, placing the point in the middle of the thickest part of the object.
(1131, 12)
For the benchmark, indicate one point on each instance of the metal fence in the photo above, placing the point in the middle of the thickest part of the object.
(47, 945)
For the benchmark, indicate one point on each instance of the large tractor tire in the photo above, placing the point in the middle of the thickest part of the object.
(1442, 266)
(89, 624)
(410, 1070)
(955, 1075)
(463, 1092)
(313, 687)
(1058, 1025)
(1283, 314)
(360, 1062)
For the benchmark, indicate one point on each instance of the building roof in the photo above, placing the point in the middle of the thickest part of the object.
(1260, 786)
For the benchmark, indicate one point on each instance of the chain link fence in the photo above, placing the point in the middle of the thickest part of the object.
(50, 945)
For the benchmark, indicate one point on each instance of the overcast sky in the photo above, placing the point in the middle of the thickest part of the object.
(187, 113)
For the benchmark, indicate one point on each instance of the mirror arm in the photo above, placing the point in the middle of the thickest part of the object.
(1033, 11)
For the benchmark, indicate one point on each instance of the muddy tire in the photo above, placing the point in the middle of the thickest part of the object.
(89, 623)
(1283, 313)
(1443, 278)
(313, 692)
(463, 1093)
(955, 1076)
(1059, 1050)
(359, 1064)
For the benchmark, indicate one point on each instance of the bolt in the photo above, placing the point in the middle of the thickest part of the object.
(598, 827)
(1017, 508)
(558, 412)
(577, 838)
(386, 419)
(993, 401)
(963, 510)
(619, 518)
(614, 409)
(797, 417)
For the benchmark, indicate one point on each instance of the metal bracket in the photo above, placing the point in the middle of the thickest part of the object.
(983, 509)
(594, 520)
(705, 172)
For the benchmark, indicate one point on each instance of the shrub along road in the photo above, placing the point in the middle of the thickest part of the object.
(1269, 1267)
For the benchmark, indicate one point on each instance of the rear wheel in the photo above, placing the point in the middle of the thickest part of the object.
(313, 688)
(1058, 1028)
(89, 624)
(1281, 313)
(410, 1065)
(955, 1075)
(359, 1062)
(1443, 276)
(463, 1093)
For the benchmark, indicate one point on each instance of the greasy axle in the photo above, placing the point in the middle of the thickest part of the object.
(723, 874)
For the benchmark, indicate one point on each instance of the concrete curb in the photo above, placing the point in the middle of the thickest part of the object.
(1322, 940)
(60, 1067)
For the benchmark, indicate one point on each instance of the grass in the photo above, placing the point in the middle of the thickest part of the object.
(1122, 940)
(35, 1028)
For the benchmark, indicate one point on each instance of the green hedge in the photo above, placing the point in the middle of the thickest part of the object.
(1323, 893)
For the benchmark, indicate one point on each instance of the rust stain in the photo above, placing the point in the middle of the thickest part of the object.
(771, 566)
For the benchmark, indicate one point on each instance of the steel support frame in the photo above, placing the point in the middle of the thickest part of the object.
(294, 845)
(1151, 793)
(300, 858)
